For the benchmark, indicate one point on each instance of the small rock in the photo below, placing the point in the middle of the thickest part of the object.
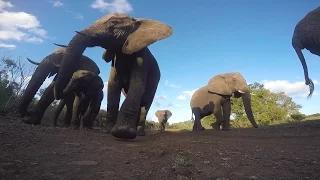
(131, 145)
(236, 174)
(7, 166)
(33, 164)
(84, 163)
(182, 171)
(253, 177)
(127, 162)
(180, 177)
(206, 162)
(74, 144)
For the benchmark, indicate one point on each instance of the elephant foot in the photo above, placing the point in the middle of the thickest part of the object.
(201, 129)
(225, 129)
(74, 125)
(215, 126)
(122, 129)
(30, 120)
(140, 131)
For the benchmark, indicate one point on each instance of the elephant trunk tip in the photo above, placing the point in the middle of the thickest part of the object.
(311, 89)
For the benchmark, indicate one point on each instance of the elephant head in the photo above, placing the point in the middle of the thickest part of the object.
(163, 115)
(306, 35)
(117, 33)
(45, 69)
(84, 81)
(229, 83)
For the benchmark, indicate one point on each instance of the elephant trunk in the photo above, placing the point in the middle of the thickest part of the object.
(42, 71)
(308, 81)
(73, 53)
(246, 98)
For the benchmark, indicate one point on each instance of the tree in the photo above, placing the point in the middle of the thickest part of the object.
(268, 107)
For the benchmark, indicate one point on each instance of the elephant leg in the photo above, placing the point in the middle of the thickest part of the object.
(58, 111)
(226, 108)
(75, 120)
(126, 124)
(37, 113)
(92, 110)
(142, 122)
(219, 117)
(68, 115)
(113, 98)
(197, 126)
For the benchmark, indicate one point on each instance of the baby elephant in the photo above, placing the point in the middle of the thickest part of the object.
(163, 116)
(215, 98)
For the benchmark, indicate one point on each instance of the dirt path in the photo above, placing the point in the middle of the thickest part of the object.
(39, 152)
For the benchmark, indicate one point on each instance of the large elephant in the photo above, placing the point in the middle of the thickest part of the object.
(163, 116)
(133, 66)
(215, 98)
(86, 88)
(48, 67)
(306, 35)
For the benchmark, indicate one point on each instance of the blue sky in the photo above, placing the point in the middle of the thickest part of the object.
(209, 37)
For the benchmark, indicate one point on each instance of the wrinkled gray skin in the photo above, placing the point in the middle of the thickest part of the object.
(215, 98)
(86, 88)
(133, 66)
(49, 66)
(163, 116)
(307, 35)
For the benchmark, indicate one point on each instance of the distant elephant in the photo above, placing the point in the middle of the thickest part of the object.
(47, 68)
(163, 116)
(99, 122)
(86, 88)
(133, 66)
(215, 98)
(306, 35)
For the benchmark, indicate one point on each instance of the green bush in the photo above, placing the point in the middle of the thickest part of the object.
(298, 116)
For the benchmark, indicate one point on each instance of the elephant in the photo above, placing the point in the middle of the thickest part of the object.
(49, 66)
(163, 116)
(99, 122)
(306, 35)
(133, 67)
(215, 98)
(86, 89)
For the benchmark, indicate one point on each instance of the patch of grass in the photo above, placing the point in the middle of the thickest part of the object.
(180, 161)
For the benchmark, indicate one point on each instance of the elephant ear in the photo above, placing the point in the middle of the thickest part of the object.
(169, 114)
(108, 55)
(158, 113)
(147, 32)
(219, 84)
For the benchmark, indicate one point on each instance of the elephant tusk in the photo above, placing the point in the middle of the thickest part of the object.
(60, 45)
(81, 33)
(36, 63)
(241, 92)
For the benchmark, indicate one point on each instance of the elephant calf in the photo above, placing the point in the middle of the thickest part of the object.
(85, 88)
(215, 98)
(163, 116)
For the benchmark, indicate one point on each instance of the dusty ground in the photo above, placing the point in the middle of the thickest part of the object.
(39, 152)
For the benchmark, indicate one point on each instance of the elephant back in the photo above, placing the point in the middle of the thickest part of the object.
(88, 64)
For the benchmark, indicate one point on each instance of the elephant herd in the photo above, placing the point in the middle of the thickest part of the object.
(135, 73)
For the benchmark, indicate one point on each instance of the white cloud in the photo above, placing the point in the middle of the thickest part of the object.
(9, 46)
(19, 26)
(173, 105)
(161, 97)
(59, 4)
(105, 87)
(115, 6)
(56, 3)
(157, 104)
(181, 97)
(186, 94)
(166, 83)
(289, 88)
(4, 5)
